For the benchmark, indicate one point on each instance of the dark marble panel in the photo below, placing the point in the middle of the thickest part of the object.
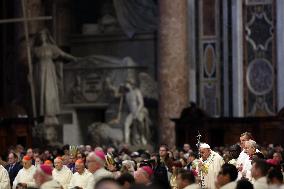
(209, 16)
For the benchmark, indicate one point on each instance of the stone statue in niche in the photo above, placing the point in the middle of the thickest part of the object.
(45, 51)
(137, 118)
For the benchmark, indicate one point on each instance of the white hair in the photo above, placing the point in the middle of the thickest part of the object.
(251, 143)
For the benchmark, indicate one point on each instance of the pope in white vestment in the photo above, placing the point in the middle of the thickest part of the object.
(25, 175)
(4, 178)
(61, 173)
(209, 166)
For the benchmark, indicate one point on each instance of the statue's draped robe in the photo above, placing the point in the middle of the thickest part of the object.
(46, 80)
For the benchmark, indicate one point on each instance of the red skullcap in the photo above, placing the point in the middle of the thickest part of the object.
(46, 169)
(27, 158)
(148, 169)
(47, 162)
(79, 161)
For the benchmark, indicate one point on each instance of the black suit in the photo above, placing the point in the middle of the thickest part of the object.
(13, 171)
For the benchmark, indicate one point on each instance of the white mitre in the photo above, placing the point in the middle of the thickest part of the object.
(204, 145)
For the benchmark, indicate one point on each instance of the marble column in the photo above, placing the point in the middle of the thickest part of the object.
(226, 76)
(237, 49)
(192, 51)
(172, 68)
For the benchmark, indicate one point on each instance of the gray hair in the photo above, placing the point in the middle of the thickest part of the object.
(251, 143)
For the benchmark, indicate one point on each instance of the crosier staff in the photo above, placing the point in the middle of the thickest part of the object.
(198, 143)
(200, 174)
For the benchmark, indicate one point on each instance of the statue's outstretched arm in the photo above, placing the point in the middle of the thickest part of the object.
(64, 55)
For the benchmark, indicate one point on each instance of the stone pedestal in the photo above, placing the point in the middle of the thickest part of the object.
(173, 68)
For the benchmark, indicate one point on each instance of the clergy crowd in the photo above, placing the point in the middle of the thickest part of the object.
(244, 165)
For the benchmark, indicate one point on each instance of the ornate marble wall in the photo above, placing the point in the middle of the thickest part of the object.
(259, 58)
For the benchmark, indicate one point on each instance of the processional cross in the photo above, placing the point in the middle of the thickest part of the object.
(25, 20)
